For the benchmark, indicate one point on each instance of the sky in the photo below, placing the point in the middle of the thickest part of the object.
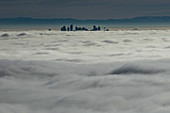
(84, 9)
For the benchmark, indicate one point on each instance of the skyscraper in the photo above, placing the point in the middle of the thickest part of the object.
(98, 28)
(94, 28)
(68, 29)
(71, 27)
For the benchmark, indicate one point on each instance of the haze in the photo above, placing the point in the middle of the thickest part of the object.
(83, 9)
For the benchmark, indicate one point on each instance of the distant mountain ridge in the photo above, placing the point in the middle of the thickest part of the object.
(27, 20)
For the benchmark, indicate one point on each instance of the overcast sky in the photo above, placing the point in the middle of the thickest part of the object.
(84, 9)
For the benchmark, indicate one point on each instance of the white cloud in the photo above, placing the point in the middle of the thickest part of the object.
(103, 77)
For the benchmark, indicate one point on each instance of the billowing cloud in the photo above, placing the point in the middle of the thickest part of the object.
(122, 71)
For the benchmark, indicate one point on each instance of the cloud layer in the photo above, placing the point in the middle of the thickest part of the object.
(40, 87)
(85, 72)
(85, 47)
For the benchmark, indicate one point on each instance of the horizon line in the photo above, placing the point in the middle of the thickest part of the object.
(79, 19)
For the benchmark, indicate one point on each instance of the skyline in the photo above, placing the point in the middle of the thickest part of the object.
(78, 9)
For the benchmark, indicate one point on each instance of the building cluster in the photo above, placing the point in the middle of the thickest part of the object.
(70, 28)
(64, 28)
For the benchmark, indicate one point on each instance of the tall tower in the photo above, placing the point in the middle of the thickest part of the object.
(98, 28)
(68, 29)
(94, 28)
(71, 27)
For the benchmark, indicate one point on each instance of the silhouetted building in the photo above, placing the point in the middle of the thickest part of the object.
(84, 29)
(76, 28)
(63, 28)
(98, 28)
(68, 29)
(79, 29)
(71, 27)
(94, 28)
(106, 30)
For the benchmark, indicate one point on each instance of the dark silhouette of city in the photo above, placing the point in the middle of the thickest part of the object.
(70, 28)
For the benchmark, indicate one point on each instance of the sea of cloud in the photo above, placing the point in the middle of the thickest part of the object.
(85, 72)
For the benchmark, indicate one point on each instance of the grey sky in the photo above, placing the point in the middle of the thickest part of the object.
(84, 9)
